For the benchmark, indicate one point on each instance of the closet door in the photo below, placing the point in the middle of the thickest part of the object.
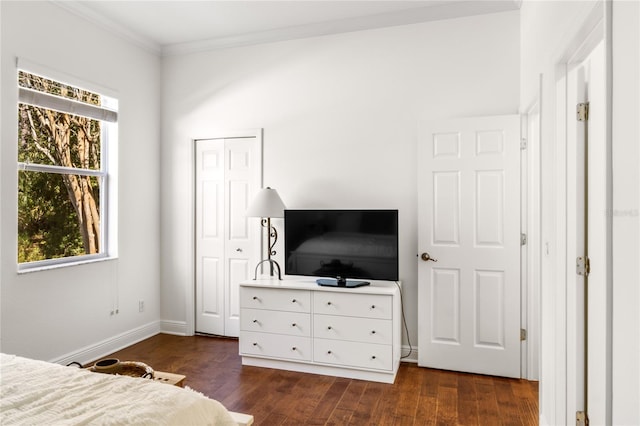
(228, 174)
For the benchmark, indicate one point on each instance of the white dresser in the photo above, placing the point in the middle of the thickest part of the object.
(297, 325)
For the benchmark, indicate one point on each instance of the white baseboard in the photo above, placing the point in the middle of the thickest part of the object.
(412, 357)
(179, 328)
(108, 346)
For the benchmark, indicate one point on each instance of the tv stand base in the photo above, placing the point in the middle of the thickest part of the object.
(341, 282)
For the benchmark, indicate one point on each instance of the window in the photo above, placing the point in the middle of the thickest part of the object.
(63, 178)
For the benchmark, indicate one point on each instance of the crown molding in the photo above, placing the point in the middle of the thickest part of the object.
(435, 12)
(441, 11)
(79, 9)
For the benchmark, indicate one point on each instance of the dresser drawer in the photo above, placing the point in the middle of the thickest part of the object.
(353, 354)
(275, 299)
(366, 330)
(353, 305)
(275, 345)
(278, 322)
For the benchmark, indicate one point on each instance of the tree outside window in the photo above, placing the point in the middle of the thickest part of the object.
(62, 175)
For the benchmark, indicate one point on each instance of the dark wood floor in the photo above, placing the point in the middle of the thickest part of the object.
(419, 396)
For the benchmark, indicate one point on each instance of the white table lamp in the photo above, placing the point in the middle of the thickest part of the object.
(267, 204)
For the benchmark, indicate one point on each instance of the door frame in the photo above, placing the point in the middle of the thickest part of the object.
(190, 290)
(595, 29)
(531, 252)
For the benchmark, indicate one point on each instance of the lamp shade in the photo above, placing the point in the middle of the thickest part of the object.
(267, 203)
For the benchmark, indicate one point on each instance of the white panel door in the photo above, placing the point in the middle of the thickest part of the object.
(242, 234)
(469, 241)
(228, 174)
(210, 236)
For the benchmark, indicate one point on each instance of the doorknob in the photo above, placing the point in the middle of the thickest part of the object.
(426, 257)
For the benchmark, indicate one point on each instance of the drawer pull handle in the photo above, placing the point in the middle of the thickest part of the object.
(373, 357)
(329, 303)
(328, 352)
(294, 324)
(255, 321)
(329, 328)
(294, 348)
(293, 301)
(255, 344)
(373, 332)
(373, 306)
(255, 297)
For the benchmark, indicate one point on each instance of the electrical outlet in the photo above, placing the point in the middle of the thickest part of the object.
(141, 306)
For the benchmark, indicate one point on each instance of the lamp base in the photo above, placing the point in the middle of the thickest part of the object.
(272, 262)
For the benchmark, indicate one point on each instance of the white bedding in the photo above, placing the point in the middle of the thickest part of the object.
(40, 393)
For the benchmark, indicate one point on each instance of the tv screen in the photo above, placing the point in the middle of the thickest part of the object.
(360, 244)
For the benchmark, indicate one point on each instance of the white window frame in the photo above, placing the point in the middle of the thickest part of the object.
(107, 114)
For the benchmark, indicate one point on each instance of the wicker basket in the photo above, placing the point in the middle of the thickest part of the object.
(130, 368)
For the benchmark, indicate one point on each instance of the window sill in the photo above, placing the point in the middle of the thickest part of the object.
(27, 268)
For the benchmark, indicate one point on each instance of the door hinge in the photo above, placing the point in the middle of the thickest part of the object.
(523, 239)
(523, 143)
(523, 334)
(582, 111)
(582, 419)
(583, 266)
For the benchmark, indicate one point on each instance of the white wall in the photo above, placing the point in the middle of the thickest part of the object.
(340, 115)
(547, 30)
(66, 312)
(626, 213)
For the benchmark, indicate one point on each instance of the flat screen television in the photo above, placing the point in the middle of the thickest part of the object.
(342, 245)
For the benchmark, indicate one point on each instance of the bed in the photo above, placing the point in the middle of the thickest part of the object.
(37, 393)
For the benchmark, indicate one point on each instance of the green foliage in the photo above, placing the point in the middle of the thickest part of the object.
(47, 222)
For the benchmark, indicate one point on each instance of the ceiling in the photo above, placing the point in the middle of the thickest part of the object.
(174, 27)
